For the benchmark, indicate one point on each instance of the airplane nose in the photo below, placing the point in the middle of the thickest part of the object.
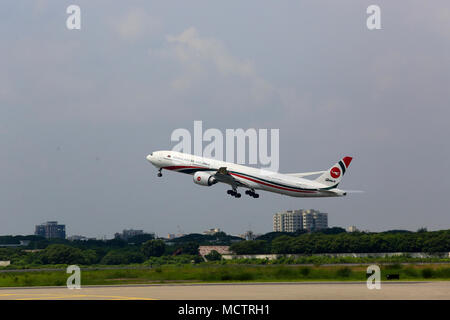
(149, 157)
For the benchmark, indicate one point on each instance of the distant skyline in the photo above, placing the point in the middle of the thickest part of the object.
(112, 233)
(81, 109)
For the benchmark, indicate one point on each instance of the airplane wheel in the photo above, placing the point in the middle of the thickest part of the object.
(159, 174)
(247, 192)
(229, 191)
(256, 196)
(238, 195)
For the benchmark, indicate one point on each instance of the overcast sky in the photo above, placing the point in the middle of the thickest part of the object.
(80, 110)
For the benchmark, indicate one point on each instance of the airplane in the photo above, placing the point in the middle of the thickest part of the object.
(207, 172)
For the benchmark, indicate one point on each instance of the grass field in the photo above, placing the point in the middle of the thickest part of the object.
(221, 273)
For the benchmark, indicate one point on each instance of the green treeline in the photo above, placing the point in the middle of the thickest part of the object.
(357, 242)
(136, 250)
(146, 250)
(83, 254)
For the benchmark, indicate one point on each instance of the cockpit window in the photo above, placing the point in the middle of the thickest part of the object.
(168, 156)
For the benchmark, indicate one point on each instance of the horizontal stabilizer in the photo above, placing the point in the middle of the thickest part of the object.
(354, 191)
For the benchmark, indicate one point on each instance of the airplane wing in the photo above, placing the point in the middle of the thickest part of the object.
(222, 175)
(304, 174)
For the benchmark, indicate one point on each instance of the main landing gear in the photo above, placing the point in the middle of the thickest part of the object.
(234, 193)
(159, 173)
(252, 193)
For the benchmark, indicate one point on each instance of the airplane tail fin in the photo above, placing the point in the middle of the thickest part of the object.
(333, 176)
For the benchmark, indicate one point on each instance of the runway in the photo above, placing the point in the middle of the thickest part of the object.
(439, 290)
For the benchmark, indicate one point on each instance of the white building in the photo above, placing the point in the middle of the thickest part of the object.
(249, 235)
(79, 238)
(314, 220)
(129, 233)
(288, 221)
(293, 220)
(5, 263)
(211, 232)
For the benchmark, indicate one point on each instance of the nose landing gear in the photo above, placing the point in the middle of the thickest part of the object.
(159, 173)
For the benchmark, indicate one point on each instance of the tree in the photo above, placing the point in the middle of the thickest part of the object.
(141, 238)
(153, 248)
(219, 238)
(282, 244)
(187, 248)
(90, 256)
(250, 247)
(114, 257)
(122, 257)
(213, 256)
(333, 230)
(62, 254)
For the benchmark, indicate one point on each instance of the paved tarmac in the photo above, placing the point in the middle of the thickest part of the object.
(240, 291)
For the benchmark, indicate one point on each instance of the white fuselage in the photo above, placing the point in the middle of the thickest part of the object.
(251, 178)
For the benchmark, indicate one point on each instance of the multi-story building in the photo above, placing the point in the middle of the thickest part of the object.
(79, 238)
(51, 229)
(352, 229)
(248, 235)
(293, 220)
(314, 220)
(127, 234)
(288, 221)
(211, 232)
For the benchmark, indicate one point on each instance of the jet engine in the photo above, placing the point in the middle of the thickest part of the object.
(204, 179)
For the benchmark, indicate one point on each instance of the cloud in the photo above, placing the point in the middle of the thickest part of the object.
(136, 23)
(198, 55)
(40, 6)
(189, 47)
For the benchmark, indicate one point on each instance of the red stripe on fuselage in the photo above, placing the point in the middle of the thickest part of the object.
(183, 167)
(271, 185)
(240, 176)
